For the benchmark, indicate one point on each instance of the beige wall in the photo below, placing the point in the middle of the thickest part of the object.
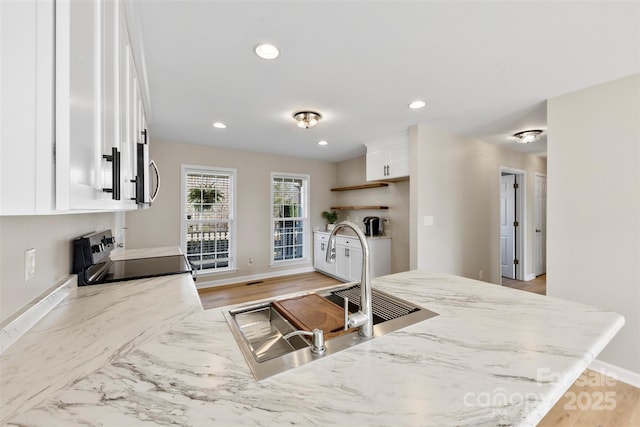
(456, 180)
(594, 206)
(160, 225)
(51, 236)
(396, 196)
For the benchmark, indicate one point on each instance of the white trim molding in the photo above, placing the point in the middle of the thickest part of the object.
(616, 372)
(19, 324)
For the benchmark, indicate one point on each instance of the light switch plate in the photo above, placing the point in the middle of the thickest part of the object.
(29, 264)
(428, 221)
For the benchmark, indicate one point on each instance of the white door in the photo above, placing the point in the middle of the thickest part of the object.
(541, 226)
(507, 231)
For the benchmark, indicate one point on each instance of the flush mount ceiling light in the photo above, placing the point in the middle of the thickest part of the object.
(527, 136)
(323, 142)
(417, 104)
(266, 51)
(307, 119)
(219, 125)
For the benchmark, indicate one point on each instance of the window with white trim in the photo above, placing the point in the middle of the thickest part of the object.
(208, 217)
(289, 217)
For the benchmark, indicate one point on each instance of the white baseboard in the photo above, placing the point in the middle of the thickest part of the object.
(616, 372)
(528, 277)
(228, 281)
(19, 324)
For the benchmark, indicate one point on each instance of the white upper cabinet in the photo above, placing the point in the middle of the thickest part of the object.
(94, 164)
(388, 158)
(93, 92)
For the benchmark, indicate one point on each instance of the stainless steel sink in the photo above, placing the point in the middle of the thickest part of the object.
(259, 329)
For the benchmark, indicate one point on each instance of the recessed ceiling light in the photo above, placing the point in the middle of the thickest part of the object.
(417, 104)
(219, 125)
(266, 51)
(323, 142)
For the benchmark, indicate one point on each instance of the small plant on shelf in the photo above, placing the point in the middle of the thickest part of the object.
(331, 218)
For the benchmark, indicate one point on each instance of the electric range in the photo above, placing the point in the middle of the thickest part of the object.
(93, 265)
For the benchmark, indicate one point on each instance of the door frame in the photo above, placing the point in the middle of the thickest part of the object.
(535, 241)
(521, 217)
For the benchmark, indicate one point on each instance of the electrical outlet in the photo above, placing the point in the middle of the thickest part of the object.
(29, 264)
(480, 274)
(250, 262)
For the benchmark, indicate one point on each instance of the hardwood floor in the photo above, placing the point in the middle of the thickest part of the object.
(593, 400)
(537, 285)
(596, 400)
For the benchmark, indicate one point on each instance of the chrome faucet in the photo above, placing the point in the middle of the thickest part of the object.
(363, 319)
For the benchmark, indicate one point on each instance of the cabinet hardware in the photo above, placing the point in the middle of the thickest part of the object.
(114, 158)
(153, 196)
(135, 187)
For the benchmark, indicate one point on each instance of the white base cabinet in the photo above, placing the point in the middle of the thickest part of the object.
(348, 264)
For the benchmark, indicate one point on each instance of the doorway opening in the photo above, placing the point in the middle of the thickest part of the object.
(512, 223)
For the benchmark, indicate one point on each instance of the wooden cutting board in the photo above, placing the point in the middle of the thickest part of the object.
(312, 311)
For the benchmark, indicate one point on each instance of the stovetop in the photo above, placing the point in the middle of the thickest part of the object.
(142, 268)
(92, 262)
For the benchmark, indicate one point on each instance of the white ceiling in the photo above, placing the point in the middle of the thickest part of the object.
(485, 68)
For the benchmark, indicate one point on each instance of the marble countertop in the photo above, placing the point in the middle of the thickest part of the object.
(145, 353)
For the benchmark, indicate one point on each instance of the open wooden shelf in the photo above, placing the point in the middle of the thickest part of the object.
(361, 187)
(351, 208)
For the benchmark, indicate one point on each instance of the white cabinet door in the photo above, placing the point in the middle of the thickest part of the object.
(376, 164)
(398, 161)
(355, 265)
(130, 124)
(87, 152)
(319, 254)
(380, 256)
(342, 262)
(26, 107)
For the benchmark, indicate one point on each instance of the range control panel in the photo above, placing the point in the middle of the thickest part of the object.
(92, 249)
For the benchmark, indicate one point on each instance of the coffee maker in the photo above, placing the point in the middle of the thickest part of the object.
(372, 226)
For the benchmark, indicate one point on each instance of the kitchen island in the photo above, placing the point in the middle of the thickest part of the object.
(145, 353)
